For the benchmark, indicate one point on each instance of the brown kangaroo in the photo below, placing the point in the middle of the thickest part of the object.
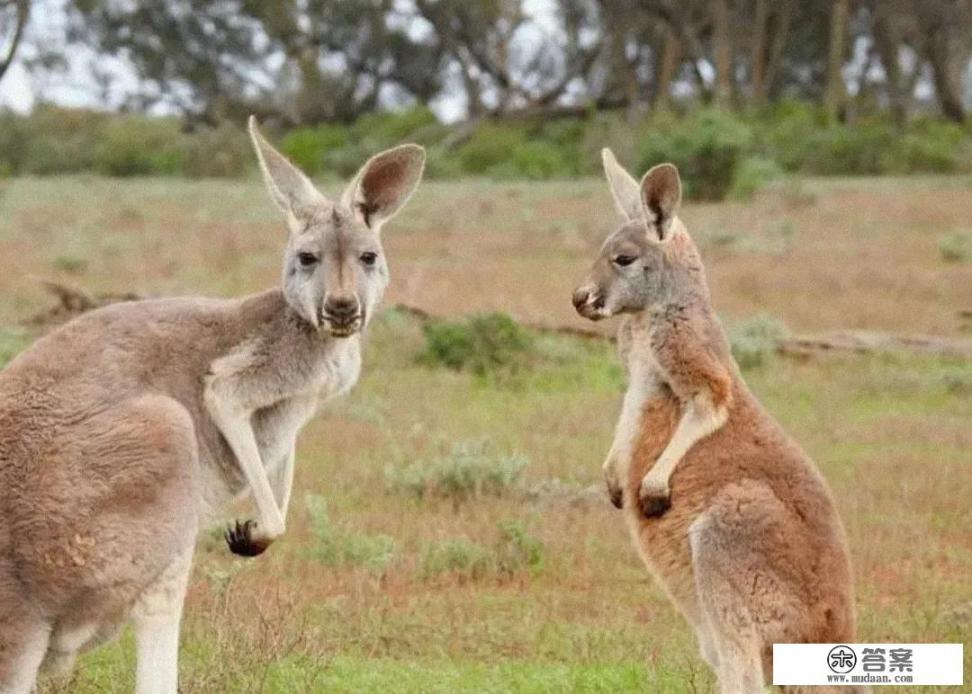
(127, 428)
(729, 514)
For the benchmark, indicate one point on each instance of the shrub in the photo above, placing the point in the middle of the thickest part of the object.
(70, 262)
(390, 128)
(517, 550)
(336, 546)
(513, 552)
(136, 146)
(489, 148)
(708, 149)
(472, 469)
(539, 160)
(956, 247)
(753, 174)
(57, 140)
(482, 343)
(458, 556)
(310, 148)
(220, 152)
(754, 341)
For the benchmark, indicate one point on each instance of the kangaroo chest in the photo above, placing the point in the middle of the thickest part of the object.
(276, 427)
(646, 383)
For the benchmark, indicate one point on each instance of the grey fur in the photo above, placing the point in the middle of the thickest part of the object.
(122, 431)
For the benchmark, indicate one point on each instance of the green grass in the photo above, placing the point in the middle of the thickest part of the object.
(373, 589)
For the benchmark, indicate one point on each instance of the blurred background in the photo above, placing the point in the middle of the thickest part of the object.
(737, 91)
(450, 531)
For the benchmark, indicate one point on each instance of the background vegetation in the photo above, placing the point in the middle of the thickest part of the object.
(736, 92)
(719, 153)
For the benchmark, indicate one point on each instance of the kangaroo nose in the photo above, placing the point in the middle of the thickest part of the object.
(342, 307)
(580, 297)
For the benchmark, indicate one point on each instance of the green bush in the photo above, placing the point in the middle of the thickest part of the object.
(754, 341)
(513, 552)
(337, 546)
(459, 557)
(956, 247)
(472, 469)
(140, 146)
(517, 550)
(482, 343)
(752, 175)
(708, 149)
(309, 148)
(220, 152)
(55, 140)
(489, 148)
(719, 153)
(528, 150)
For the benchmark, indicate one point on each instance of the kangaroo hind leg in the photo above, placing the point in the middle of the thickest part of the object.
(157, 615)
(744, 603)
(23, 644)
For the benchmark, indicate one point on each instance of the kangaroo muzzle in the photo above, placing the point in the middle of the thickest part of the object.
(588, 302)
(341, 315)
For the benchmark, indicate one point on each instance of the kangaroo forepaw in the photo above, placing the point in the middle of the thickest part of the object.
(616, 496)
(654, 500)
(239, 537)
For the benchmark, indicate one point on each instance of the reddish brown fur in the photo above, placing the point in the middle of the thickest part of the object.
(729, 514)
(811, 551)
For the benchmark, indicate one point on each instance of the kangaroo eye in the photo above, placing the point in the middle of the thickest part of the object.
(307, 259)
(624, 260)
(369, 258)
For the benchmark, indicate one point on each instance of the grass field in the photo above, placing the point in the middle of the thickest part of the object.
(398, 573)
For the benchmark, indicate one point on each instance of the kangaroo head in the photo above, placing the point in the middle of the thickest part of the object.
(649, 260)
(334, 270)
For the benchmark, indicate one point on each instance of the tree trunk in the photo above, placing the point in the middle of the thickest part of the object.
(671, 59)
(722, 52)
(778, 31)
(757, 60)
(886, 43)
(836, 91)
(23, 14)
(946, 84)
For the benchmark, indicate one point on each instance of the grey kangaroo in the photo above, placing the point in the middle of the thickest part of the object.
(124, 431)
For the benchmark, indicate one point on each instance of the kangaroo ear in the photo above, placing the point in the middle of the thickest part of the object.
(384, 184)
(624, 189)
(290, 189)
(661, 195)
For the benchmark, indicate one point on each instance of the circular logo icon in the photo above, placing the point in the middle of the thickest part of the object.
(841, 659)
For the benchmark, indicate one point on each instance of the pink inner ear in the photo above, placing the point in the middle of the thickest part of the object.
(383, 183)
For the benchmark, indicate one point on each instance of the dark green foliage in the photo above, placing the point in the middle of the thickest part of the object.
(708, 149)
(482, 343)
(59, 140)
(718, 153)
(140, 146)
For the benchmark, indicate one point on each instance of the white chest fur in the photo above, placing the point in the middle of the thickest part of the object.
(276, 427)
(645, 379)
